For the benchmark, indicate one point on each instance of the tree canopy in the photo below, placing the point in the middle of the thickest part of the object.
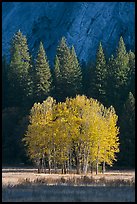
(80, 131)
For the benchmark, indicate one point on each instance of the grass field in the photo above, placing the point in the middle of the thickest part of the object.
(26, 185)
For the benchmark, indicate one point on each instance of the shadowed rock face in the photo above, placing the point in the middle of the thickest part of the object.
(84, 24)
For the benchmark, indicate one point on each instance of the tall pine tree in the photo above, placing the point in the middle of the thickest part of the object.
(63, 54)
(131, 76)
(89, 80)
(67, 72)
(57, 79)
(110, 86)
(43, 78)
(100, 76)
(121, 73)
(76, 75)
(127, 136)
(19, 78)
(122, 68)
(4, 82)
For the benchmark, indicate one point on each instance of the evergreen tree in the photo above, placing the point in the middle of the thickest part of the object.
(64, 57)
(57, 78)
(76, 75)
(43, 78)
(4, 82)
(127, 136)
(32, 79)
(16, 85)
(19, 79)
(121, 73)
(68, 69)
(122, 68)
(110, 86)
(11, 140)
(100, 75)
(131, 76)
(89, 80)
(85, 69)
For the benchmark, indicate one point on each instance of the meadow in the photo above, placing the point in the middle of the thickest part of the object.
(27, 185)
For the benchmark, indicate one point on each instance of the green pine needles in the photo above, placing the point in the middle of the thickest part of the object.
(42, 80)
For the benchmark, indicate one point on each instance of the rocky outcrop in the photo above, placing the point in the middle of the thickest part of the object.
(84, 24)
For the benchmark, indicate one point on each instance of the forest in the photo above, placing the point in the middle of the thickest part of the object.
(90, 102)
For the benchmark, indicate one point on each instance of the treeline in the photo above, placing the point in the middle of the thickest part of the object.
(27, 80)
(30, 81)
(79, 133)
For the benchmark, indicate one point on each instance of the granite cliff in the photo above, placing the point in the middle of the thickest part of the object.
(84, 24)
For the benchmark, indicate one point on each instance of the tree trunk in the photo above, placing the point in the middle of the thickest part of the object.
(68, 166)
(85, 165)
(78, 167)
(91, 168)
(97, 168)
(38, 170)
(103, 168)
(54, 162)
(62, 170)
(55, 167)
(97, 159)
(49, 166)
(39, 165)
(43, 164)
(44, 167)
(85, 168)
(65, 168)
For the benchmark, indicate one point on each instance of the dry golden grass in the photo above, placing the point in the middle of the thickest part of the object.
(18, 176)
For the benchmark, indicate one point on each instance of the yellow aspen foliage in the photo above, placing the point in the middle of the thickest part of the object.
(77, 132)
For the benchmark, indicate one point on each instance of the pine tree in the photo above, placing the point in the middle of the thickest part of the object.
(68, 71)
(100, 75)
(4, 82)
(32, 79)
(43, 78)
(64, 57)
(121, 74)
(127, 136)
(122, 68)
(131, 76)
(85, 69)
(89, 80)
(19, 79)
(57, 79)
(15, 73)
(110, 86)
(76, 75)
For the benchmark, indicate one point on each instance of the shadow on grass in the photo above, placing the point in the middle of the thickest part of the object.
(63, 193)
